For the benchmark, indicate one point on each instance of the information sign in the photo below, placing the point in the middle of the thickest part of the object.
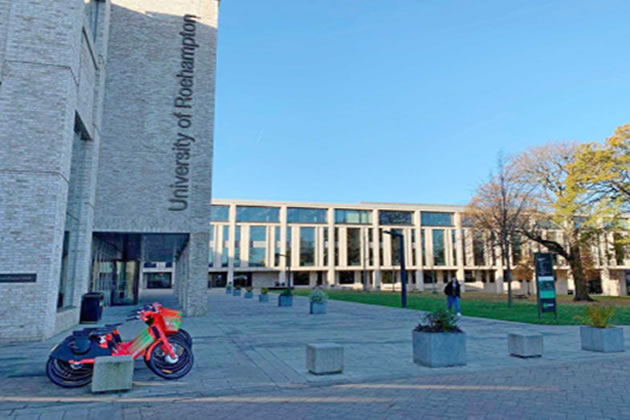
(545, 283)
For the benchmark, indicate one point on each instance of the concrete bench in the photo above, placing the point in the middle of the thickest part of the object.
(525, 344)
(112, 373)
(324, 358)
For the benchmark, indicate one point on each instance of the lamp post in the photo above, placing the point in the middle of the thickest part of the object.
(287, 259)
(403, 271)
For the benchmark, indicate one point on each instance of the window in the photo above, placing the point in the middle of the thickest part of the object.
(346, 277)
(277, 246)
(469, 276)
(387, 277)
(307, 246)
(428, 277)
(257, 214)
(336, 238)
(158, 280)
(225, 253)
(325, 246)
(303, 215)
(423, 246)
(219, 213)
(396, 247)
(478, 249)
(91, 13)
(517, 248)
(353, 216)
(454, 246)
(301, 278)
(370, 246)
(438, 247)
(387, 217)
(436, 219)
(237, 247)
(620, 251)
(354, 246)
(257, 245)
(211, 249)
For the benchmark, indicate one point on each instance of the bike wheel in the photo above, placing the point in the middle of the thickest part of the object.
(68, 375)
(184, 335)
(162, 365)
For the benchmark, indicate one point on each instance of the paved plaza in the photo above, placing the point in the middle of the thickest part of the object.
(250, 363)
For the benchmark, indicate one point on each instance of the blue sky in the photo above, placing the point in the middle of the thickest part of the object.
(407, 100)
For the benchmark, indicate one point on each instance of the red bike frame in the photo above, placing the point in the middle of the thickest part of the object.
(160, 322)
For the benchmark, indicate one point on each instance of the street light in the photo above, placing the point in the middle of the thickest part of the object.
(287, 259)
(403, 272)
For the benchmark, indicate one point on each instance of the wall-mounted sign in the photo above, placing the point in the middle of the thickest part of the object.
(545, 283)
(18, 278)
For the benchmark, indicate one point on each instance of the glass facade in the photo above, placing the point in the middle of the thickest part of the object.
(346, 277)
(306, 215)
(354, 246)
(389, 217)
(353, 216)
(257, 214)
(257, 245)
(438, 247)
(436, 219)
(307, 246)
(219, 213)
(454, 247)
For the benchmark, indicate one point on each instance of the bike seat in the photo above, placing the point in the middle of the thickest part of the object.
(81, 345)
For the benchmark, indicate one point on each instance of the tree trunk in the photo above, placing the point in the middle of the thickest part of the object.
(581, 287)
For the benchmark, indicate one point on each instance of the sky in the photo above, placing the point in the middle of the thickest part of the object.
(407, 100)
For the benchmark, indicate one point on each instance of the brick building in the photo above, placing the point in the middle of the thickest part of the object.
(106, 122)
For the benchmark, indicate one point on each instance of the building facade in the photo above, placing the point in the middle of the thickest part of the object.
(106, 121)
(263, 244)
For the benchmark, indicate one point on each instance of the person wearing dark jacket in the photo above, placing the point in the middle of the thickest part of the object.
(452, 291)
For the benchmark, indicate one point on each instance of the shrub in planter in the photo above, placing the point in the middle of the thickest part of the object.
(263, 297)
(249, 293)
(237, 291)
(319, 301)
(439, 342)
(599, 334)
(285, 298)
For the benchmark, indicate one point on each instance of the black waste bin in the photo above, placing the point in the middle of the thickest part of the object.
(92, 307)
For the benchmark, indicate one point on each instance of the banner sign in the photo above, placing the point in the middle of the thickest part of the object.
(18, 278)
(545, 282)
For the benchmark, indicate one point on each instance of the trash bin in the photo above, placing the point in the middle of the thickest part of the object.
(92, 307)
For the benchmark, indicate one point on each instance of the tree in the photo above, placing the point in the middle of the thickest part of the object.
(561, 204)
(497, 208)
(605, 169)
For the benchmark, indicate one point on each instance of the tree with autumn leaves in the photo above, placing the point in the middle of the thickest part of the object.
(577, 191)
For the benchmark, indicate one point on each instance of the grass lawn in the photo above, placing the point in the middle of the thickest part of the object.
(485, 305)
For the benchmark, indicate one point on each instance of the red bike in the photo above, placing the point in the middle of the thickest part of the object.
(165, 347)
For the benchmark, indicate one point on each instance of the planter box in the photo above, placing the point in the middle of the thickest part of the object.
(606, 340)
(285, 300)
(439, 349)
(236, 292)
(318, 308)
(228, 291)
(112, 373)
(263, 298)
(525, 344)
(249, 295)
(324, 358)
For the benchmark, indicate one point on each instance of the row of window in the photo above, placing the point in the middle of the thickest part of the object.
(360, 245)
(220, 213)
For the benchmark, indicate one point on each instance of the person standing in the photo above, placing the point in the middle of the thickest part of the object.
(453, 293)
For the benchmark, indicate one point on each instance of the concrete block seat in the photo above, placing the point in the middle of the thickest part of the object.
(525, 344)
(112, 373)
(324, 358)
